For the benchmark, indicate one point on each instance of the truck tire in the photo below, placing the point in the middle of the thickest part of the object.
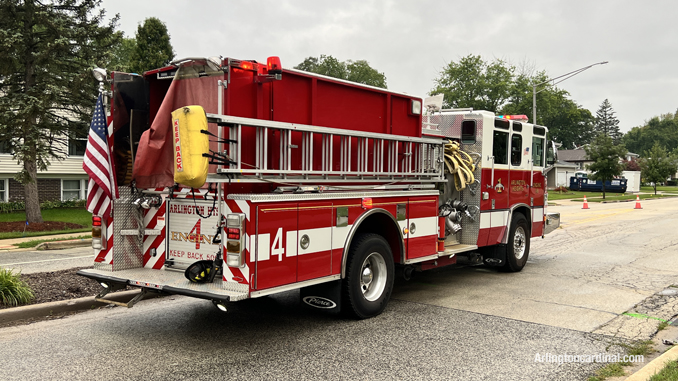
(518, 248)
(369, 277)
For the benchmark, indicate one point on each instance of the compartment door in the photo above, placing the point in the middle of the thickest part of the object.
(275, 245)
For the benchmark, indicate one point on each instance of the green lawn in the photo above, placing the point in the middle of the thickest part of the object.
(673, 189)
(78, 216)
(597, 196)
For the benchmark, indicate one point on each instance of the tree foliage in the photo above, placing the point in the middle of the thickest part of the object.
(607, 123)
(496, 86)
(122, 54)
(661, 129)
(472, 82)
(658, 165)
(153, 48)
(355, 71)
(606, 157)
(46, 86)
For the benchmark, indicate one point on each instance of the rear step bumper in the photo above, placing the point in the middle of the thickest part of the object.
(170, 282)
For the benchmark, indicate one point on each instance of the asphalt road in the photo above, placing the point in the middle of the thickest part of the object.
(451, 323)
(35, 261)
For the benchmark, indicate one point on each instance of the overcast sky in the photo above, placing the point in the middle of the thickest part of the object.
(411, 41)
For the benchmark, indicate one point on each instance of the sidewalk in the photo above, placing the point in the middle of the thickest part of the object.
(8, 244)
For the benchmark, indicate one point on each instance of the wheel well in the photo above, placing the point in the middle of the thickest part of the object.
(526, 212)
(381, 222)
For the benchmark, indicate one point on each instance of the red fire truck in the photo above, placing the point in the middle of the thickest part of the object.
(302, 181)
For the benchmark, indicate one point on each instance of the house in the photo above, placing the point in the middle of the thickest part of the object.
(577, 158)
(64, 179)
(560, 175)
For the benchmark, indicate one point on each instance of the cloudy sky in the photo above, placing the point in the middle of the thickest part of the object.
(411, 41)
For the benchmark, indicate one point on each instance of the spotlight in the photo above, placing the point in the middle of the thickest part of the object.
(99, 74)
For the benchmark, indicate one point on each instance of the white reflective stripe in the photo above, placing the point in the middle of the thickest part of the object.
(537, 215)
(264, 246)
(320, 239)
(291, 245)
(498, 218)
(339, 236)
(485, 220)
(245, 273)
(227, 274)
(245, 207)
(424, 226)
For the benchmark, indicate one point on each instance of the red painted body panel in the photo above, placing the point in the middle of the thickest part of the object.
(422, 243)
(275, 220)
(314, 215)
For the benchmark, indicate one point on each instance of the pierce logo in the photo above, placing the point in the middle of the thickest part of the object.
(319, 302)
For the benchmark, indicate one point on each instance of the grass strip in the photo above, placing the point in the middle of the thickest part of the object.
(36, 242)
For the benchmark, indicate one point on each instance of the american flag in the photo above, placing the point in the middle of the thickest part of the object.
(97, 164)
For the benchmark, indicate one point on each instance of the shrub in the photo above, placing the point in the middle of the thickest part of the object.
(561, 188)
(672, 183)
(12, 206)
(13, 291)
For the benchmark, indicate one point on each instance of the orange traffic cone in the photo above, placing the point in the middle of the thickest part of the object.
(638, 203)
(586, 203)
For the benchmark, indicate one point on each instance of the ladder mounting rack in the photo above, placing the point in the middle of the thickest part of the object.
(313, 154)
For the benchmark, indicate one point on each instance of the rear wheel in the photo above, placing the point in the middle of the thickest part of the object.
(369, 277)
(518, 248)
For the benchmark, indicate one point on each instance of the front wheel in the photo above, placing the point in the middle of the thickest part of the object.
(518, 248)
(369, 276)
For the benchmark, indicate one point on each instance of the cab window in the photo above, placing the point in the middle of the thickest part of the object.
(500, 147)
(516, 150)
(538, 151)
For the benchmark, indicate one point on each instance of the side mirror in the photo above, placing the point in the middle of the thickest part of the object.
(551, 153)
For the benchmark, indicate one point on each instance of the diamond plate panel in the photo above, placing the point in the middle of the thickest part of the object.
(450, 125)
(167, 278)
(127, 250)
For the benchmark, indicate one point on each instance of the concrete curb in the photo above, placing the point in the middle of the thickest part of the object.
(56, 245)
(46, 309)
(655, 366)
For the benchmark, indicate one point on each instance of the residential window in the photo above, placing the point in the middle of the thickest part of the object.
(3, 190)
(70, 190)
(538, 152)
(500, 147)
(4, 147)
(516, 150)
(78, 143)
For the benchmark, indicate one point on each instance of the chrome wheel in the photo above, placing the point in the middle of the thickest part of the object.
(519, 242)
(373, 276)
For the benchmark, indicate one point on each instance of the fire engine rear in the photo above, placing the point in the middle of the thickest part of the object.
(238, 179)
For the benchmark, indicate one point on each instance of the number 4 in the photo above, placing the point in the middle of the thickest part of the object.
(277, 247)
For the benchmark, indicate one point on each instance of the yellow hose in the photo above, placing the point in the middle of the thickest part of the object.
(460, 164)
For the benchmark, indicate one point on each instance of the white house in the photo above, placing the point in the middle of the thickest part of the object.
(64, 179)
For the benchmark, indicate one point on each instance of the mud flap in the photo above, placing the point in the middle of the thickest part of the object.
(494, 255)
(325, 296)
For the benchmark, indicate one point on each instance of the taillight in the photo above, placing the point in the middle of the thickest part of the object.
(233, 233)
(99, 235)
(235, 240)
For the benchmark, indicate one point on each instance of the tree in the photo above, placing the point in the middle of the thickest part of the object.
(607, 123)
(495, 86)
(153, 48)
(122, 54)
(661, 129)
(46, 88)
(606, 159)
(355, 71)
(658, 165)
(472, 82)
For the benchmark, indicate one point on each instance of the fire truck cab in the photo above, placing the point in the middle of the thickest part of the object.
(308, 182)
